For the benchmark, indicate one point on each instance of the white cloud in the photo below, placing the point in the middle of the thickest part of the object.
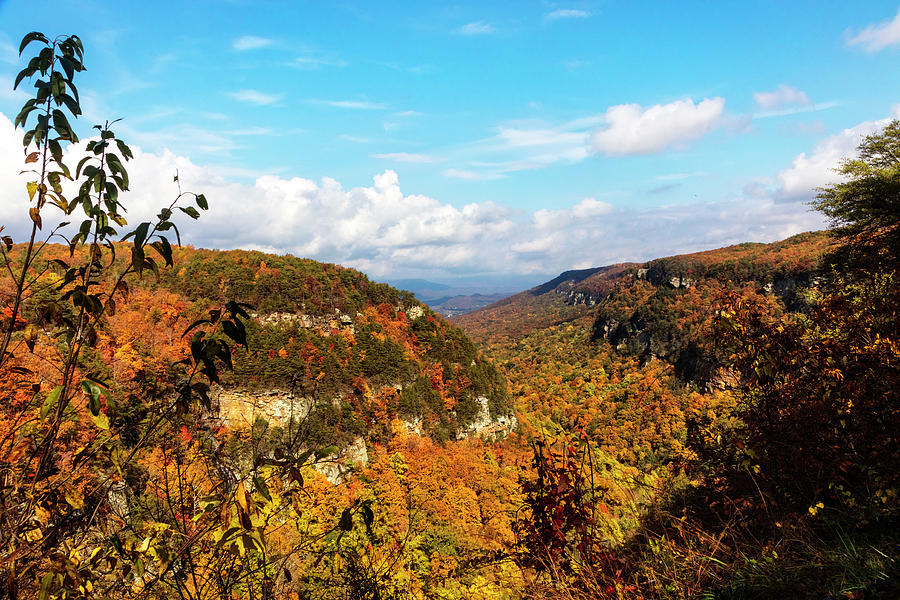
(255, 97)
(354, 139)
(408, 157)
(567, 13)
(250, 42)
(476, 28)
(389, 233)
(524, 146)
(631, 129)
(315, 62)
(878, 37)
(250, 131)
(17, 96)
(807, 172)
(470, 175)
(351, 104)
(591, 207)
(783, 95)
(531, 138)
(795, 109)
(8, 53)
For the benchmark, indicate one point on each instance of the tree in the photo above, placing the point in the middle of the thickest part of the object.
(64, 447)
(820, 406)
(865, 209)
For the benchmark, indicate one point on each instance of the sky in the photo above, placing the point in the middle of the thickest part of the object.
(481, 142)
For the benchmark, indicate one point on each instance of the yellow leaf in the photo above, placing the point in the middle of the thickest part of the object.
(75, 499)
(42, 514)
(35, 215)
(101, 420)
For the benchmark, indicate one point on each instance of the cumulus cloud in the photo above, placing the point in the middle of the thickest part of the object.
(631, 129)
(810, 171)
(388, 232)
(879, 36)
(255, 97)
(476, 28)
(783, 95)
(250, 42)
(591, 207)
(567, 13)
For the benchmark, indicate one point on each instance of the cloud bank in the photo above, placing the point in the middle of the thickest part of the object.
(388, 232)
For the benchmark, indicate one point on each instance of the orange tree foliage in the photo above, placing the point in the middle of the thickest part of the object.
(821, 410)
(558, 377)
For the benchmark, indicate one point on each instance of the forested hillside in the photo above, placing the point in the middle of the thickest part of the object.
(734, 478)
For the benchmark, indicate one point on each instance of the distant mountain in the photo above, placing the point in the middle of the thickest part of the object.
(451, 306)
(453, 300)
(422, 288)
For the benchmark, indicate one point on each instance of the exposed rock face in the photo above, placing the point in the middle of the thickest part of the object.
(322, 324)
(682, 282)
(485, 426)
(573, 298)
(240, 408)
(335, 466)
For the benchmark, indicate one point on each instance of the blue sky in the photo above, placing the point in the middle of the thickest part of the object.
(480, 139)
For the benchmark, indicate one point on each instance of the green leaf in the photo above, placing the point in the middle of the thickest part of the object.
(137, 260)
(235, 330)
(140, 234)
(47, 579)
(51, 400)
(26, 72)
(260, 484)
(57, 85)
(92, 390)
(53, 179)
(80, 165)
(165, 250)
(68, 66)
(190, 211)
(71, 104)
(124, 149)
(62, 127)
(201, 202)
(32, 37)
(22, 117)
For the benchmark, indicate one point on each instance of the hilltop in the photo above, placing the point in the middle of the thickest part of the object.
(349, 352)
